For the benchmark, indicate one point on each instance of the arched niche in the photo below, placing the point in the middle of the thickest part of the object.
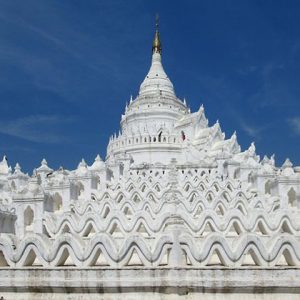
(57, 202)
(159, 137)
(13, 185)
(236, 173)
(268, 187)
(292, 197)
(80, 189)
(28, 218)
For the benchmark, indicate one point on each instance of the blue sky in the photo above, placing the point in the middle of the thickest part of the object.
(68, 67)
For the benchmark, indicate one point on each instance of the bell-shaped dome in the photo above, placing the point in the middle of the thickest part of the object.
(157, 79)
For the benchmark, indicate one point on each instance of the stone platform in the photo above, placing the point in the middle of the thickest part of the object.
(148, 283)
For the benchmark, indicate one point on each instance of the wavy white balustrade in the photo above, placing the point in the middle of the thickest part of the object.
(193, 251)
(151, 219)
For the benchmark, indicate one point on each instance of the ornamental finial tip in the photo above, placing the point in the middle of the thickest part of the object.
(156, 45)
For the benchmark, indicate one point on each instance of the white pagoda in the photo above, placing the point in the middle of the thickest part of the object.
(174, 210)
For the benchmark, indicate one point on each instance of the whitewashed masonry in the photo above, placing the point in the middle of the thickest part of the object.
(173, 192)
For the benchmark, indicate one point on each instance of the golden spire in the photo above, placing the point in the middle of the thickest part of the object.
(156, 45)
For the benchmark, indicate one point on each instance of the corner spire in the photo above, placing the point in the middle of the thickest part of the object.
(156, 45)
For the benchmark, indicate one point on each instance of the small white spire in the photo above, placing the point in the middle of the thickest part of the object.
(98, 158)
(82, 164)
(272, 159)
(34, 174)
(44, 162)
(17, 168)
(287, 164)
(4, 168)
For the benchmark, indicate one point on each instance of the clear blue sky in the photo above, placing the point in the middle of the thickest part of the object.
(68, 67)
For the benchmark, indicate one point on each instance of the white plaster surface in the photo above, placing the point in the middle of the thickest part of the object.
(174, 204)
(165, 281)
(148, 296)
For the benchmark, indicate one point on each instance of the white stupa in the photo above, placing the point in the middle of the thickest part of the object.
(175, 208)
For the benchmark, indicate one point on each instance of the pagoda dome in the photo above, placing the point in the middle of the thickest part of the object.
(148, 126)
(157, 91)
(157, 80)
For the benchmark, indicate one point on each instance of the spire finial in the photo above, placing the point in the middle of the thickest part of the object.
(156, 46)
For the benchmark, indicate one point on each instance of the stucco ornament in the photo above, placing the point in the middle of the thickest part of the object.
(172, 191)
